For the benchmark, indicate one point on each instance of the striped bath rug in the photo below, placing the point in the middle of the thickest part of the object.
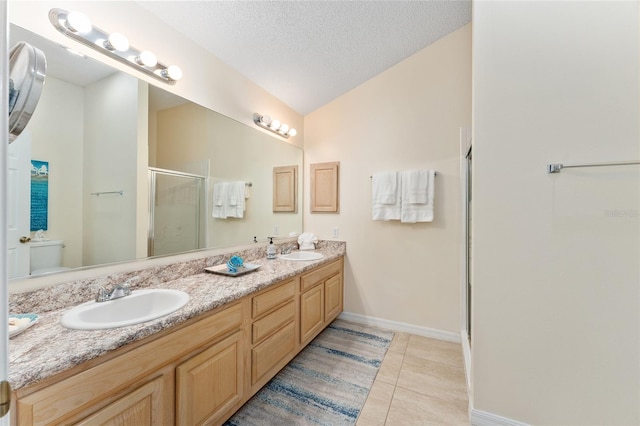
(325, 384)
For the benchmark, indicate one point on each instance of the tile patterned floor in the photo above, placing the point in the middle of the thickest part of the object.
(421, 382)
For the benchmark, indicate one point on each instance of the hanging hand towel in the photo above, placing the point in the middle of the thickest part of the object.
(417, 184)
(235, 199)
(220, 194)
(417, 212)
(385, 194)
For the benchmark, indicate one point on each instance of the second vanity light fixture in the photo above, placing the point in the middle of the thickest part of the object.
(77, 26)
(281, 129)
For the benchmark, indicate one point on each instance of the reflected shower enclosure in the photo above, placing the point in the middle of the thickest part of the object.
(176, 212)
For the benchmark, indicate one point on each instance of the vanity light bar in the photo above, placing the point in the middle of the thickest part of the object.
(274, 126)
(115, 45)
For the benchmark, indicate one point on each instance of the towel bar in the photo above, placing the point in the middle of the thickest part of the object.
(557, 167)
(121, 192)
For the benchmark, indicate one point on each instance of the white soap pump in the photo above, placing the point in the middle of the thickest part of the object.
(271, 249)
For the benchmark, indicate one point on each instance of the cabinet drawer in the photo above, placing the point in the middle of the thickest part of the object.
(269, 353)
(270, 323)
(314, 277)
(264, 302)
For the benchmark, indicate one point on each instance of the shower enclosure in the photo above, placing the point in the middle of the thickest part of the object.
(177, 220)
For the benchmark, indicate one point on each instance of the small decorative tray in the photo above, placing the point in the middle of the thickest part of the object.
(224, 270)
(20, 322)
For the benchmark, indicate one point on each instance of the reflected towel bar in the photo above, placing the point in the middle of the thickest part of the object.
(556, 168)
(97, 194)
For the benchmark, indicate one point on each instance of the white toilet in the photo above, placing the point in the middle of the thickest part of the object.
(46, 257)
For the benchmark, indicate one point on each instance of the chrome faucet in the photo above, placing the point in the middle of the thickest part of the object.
(120, 290)
(286, 249)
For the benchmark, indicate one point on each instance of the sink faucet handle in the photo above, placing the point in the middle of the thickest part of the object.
(102, 295)
(126, 288)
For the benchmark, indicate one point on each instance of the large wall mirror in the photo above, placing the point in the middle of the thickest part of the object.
(120, 157)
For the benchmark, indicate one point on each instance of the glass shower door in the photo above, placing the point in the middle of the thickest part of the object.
(176, 212)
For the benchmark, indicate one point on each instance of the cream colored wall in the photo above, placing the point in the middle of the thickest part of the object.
(556, 291)
(111, 138)
(188, 133)
(142, 164)
(57, 133)
(407, 117)
(207, 80)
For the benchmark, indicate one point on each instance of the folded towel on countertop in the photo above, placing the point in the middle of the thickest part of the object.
(307, 241)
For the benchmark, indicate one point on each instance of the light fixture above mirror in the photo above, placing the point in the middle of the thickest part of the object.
(281, 129)
(77, 26)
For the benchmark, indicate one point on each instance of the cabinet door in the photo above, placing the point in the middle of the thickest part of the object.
(270, 353)
(143, 406)
(210, 384)
(311, 312)
(324, 187)
(332, 297)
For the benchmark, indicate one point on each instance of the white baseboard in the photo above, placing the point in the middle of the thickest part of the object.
(466, 353)
(400, 326)
(482, 418)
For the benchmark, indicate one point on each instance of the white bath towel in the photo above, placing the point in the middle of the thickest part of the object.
(307, 241)
(220, 195)
(416, 212)
(416, 185)
(385, 187)
(235, 199)
(229, 200)
(385, 196)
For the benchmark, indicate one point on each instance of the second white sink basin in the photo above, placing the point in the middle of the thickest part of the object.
(302, 255)
(138, 307)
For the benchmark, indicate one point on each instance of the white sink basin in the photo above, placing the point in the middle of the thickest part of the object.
(138, 307)
(302, 255)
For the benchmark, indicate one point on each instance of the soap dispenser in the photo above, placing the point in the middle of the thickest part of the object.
(271, 249)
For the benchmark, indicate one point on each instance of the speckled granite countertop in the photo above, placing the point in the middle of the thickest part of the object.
(48, 348)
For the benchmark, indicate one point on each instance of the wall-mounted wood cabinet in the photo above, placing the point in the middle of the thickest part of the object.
(324, 188)
(285, 189)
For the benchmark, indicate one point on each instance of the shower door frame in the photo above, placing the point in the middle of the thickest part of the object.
(202, 189)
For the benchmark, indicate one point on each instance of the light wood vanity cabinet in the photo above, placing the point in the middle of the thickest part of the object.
(321, 299)
(132, 379)
(198, 373)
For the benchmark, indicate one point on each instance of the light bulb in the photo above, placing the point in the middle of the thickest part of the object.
(284, 128)
(275, 124)
(147, 58)
(266, 120)
(174, 72)
(116, 41)
(293, 132)
(78, 22)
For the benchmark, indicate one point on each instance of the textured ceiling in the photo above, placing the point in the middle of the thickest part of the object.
(307, 53)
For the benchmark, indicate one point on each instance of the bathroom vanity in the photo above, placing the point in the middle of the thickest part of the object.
(195, 366)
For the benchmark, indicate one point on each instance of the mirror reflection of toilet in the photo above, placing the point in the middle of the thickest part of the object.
(46, 257)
